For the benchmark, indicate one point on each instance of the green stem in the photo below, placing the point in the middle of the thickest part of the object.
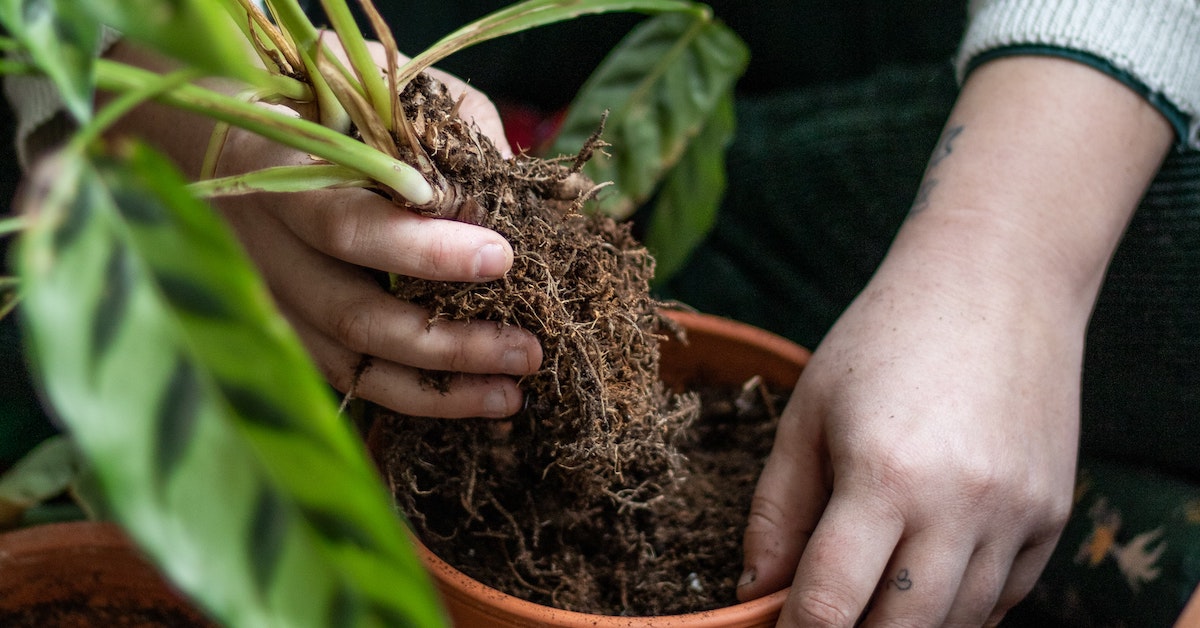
(297, 133)
(13, 224)
(530, 14)
(281, 179)
(293, 21)
(360, 58)
(128, 101)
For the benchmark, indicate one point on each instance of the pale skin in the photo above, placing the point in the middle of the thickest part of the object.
(313, 250)
(923, 469)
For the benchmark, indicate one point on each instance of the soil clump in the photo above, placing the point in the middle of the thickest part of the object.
(604, 494)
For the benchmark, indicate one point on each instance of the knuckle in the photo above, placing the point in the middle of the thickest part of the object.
(980, 483)
(457, 356)
(1058, 513)
(821, 610)
(765, 513)
(436, 257)
(340, 376)
(909, 621)
(353, 326)
(448, 347)
(897, 479)
(341, 232)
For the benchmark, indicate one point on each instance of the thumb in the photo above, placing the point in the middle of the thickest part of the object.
(788, 501)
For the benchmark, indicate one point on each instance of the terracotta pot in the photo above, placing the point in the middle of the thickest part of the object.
(84, 574)
(718, 351)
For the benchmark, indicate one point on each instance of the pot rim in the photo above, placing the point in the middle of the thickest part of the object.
(466, 591)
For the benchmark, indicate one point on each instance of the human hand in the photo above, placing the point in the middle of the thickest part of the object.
(923, 469)
(314, 249)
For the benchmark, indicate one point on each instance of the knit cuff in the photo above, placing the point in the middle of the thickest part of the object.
(1151, 43)
(38, 108)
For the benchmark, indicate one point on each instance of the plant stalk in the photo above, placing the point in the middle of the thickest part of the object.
(295, 132)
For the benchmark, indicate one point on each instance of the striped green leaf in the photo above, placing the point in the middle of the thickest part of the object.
(214, 440)
(660, 85)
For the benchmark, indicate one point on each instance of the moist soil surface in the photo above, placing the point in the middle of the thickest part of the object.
(680, 553)
(608, 493)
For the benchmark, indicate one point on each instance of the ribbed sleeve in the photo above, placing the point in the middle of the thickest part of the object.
(35, 102)
(1157, 42)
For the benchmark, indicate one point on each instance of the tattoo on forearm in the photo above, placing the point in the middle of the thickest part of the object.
(945, 146)
(902, 581)
(923, 194)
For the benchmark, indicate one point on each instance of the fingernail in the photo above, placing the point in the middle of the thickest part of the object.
(495, 404)
(491, 261)
(516, 362)
(748, 577)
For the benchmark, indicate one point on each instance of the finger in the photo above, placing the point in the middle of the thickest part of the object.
(844, 560)
(400, 388)
(788, 500)
(982, 583)
(1026, 569)
(922, 581)
(366, 230)
(361, 317)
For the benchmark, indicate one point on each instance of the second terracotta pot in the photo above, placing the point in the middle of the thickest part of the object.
(84, 574)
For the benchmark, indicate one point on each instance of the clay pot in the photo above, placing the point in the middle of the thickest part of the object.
(84, 574)
(717, 351)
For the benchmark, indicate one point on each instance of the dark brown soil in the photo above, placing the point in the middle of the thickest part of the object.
(603, 494)
(679, 553)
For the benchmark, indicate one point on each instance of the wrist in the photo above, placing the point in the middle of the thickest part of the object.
(1035, 179)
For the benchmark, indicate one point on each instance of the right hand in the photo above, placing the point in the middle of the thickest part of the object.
(315, 248)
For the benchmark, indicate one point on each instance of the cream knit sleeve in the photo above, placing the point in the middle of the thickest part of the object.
(1152, 45)
(37, 106)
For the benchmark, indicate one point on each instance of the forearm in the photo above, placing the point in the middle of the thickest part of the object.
(182, 135)
(1041, 165)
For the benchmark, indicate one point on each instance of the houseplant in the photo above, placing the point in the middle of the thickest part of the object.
(139, 307)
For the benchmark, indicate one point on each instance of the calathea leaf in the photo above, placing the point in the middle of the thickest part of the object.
(660, 85)
(686, 206)
(213, 439)
(42, 474)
